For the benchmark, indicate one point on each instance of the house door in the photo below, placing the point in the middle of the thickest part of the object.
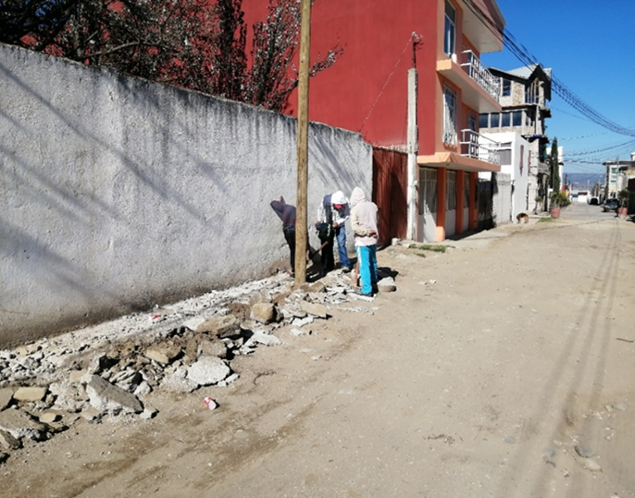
(450, 200)
(427, 223)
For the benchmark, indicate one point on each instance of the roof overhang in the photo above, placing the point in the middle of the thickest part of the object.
(485, 37)
(453, 160)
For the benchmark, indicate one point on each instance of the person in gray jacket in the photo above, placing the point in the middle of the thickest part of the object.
(364, 224)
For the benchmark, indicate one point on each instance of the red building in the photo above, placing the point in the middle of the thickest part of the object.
(367, 91)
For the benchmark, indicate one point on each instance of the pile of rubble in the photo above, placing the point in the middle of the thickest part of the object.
(108, 370)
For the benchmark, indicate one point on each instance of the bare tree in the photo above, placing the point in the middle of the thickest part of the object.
(188, 43)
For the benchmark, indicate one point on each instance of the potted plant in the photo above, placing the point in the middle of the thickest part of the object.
(538, 200)
(622, 210)
(558, 200)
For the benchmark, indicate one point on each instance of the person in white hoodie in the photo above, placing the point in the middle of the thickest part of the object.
(332, 214)
(364, 224)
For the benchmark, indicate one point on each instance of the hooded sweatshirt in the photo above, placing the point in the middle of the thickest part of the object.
(328, 213)
(363, 218)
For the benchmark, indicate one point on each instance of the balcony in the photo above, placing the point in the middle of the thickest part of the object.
(479, 89)
(479, 73)
(480, 147)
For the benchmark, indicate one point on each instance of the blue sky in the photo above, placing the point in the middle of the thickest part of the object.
(590, 47)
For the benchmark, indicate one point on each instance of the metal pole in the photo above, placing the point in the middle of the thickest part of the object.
(303, 145)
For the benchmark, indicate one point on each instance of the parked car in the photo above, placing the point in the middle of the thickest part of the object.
(610, 205)
(594, 201)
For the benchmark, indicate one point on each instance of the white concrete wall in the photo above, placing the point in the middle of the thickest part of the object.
(518, 171)
(119, 193)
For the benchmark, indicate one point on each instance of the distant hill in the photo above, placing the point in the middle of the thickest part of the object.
(584, 180)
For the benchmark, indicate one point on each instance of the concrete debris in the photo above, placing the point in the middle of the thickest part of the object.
(207, 371)
(212, 348)
(6, 395)
(105, 396)
(194, 323)
(110, 369)
(299, 332)
(318, 310)
(263, 312)
(49, 417)
(20, 424)
(30, 394)
(163, 354)
(219, 325)
(229, 380)
(264, 339)
(302, 322)
(177, 382)
(148, 413)
(387, 285)
(8, 442)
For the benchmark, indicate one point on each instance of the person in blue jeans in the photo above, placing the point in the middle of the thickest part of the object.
(364, 223)
(333, 212)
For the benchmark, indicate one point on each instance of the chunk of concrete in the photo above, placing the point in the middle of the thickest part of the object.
(164, 354)
(318, 310)
(263, 312)
(105, 396)
(30, 394)
(20, 424)
(387, 285)
(6, 395)
(264, 339)
(207, 371)
(8, 442)
(219, 325)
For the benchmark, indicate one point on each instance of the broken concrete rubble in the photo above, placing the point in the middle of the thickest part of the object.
(20, 424)
(93, 372)
(107, 397)
(264, 312)
(207, 371)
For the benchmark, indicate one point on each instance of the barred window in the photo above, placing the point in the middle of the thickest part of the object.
(451, 191)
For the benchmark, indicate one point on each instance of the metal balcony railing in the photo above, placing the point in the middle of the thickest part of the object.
(479, 73)
(480, 147)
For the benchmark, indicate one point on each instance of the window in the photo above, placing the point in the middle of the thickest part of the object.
(505, 119)
(506, 154)
(532, 93)
(450, 29)
(507, 87)
(466, 190)
(449, 116)
(483, 121)
(451, 191)
(517, 118)
(495, 120)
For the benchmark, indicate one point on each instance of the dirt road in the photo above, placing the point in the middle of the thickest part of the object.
(501, 368)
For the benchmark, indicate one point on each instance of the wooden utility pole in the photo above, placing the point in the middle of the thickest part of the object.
(301, 231)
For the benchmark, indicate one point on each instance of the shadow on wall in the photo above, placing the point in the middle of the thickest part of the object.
(120, 193)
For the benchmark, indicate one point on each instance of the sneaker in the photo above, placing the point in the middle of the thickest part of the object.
(345, 269)
(360, 293)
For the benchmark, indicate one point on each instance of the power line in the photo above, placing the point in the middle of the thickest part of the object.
(525, 56)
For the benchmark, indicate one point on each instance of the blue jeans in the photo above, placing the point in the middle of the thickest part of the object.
(367, 260)
(340, 233)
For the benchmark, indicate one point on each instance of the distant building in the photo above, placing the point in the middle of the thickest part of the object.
(524, 93)
(618, 174)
